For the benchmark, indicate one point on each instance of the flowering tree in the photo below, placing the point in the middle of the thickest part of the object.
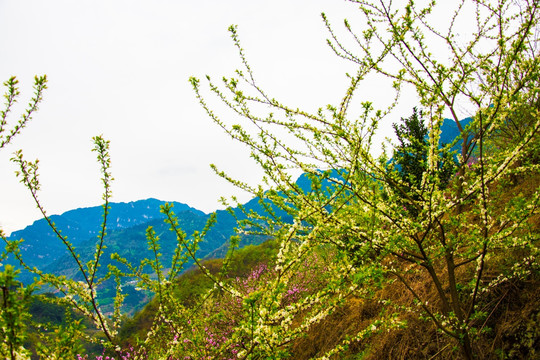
(14, 298)
(362, 225)
(361, 204)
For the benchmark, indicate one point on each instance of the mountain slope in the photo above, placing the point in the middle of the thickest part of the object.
(41, 246)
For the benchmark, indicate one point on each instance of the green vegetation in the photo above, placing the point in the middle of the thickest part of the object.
(435, 254)
(194, 284)
(411, 154)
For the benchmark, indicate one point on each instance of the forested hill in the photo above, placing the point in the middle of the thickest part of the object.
(41, 246)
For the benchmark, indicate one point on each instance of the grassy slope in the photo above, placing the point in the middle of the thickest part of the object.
(511, 328)
(193, 283)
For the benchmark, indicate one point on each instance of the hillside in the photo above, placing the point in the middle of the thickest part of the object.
(509, 330)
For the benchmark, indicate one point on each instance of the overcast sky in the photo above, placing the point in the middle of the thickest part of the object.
(121, 69)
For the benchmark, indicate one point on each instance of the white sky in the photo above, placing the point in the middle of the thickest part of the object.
(120, 68)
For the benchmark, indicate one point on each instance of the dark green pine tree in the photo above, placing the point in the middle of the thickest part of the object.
(411, 155)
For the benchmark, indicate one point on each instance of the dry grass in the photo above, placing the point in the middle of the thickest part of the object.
(509, 330)
(512, 327)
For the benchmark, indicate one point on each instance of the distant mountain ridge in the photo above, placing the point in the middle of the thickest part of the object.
(41, 247)
(450, 131)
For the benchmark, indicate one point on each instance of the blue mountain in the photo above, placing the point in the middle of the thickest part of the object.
(450, 131)
(41, 246)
